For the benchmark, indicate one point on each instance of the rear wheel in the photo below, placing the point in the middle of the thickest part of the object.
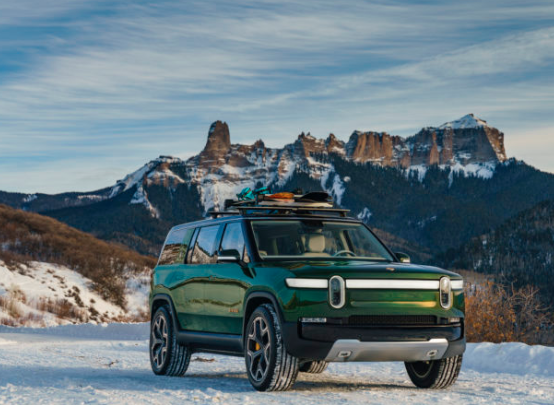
(167, 356)
(314, 367)
(268, 364)
(435, 373)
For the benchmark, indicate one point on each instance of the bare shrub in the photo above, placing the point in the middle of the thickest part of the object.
(62, 309)
(31, 319)
(10, 305)
(497, 313)
(8, 322)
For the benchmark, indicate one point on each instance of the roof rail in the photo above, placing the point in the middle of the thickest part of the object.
(215, 214)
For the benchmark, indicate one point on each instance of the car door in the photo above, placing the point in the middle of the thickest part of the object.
(190, 294)
(229, 280)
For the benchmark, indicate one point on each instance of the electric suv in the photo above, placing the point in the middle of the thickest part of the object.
(291, 288)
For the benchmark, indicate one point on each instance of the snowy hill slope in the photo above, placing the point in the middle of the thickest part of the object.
(44, 294)
(51, 273)
(108, 364)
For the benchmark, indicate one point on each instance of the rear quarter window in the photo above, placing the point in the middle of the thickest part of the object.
(176, 246)
(233, 238)
(205, 247)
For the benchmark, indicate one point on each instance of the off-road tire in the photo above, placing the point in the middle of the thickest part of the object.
(435, 374)
(174, 360)
(264, 346)
(314, 367)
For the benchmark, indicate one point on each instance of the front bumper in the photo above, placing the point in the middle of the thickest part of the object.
(373, 343)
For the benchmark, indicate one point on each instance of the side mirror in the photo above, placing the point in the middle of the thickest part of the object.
(229, 255)
(403, 257)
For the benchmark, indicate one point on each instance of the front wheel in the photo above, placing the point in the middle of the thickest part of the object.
(167, 356)
(268, 364)
(435, 373)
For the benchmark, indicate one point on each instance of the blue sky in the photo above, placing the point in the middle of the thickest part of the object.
(91, 90)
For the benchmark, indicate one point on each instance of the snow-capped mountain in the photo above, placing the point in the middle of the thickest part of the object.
(222, 169)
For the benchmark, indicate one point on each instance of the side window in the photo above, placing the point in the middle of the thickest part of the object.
(205, 246)
(185, 246)
(176, 246)
(233, 239)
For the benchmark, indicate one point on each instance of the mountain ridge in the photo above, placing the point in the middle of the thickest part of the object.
(417, 188)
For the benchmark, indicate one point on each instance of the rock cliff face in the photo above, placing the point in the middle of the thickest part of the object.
(218, 144)
(461, 142)
(468, 140)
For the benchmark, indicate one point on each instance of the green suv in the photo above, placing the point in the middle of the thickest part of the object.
(293, 288)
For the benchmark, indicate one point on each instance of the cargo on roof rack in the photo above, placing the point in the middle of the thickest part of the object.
(281, 210)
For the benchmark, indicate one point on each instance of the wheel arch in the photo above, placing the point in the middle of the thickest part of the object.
(160, 300)
(253, 301)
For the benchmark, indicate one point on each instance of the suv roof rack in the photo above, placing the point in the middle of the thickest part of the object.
(261, 202)
(280, 210)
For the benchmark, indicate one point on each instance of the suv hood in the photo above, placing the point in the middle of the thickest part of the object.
(362, 269)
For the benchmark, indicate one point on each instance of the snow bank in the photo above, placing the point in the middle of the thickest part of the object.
(6, 341)
(110, 331)
(512, 358)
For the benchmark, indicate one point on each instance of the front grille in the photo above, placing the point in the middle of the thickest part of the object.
(392, 320)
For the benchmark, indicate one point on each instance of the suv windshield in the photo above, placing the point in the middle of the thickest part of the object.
(316, 239)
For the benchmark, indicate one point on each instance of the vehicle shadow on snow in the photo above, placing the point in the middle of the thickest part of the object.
(326, 382)
(144, 380)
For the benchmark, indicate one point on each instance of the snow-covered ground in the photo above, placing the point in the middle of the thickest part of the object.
(108, 364)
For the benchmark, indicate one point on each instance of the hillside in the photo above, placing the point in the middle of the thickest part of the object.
(50, 272)
(519, 251)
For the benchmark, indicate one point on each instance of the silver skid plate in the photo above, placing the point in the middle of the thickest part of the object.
(354, 350)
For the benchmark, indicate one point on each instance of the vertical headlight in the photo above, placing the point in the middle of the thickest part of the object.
(336, 292)
(445, 290)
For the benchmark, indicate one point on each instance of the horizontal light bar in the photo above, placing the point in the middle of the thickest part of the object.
(393, 284)
(457, 284)
(307, 282)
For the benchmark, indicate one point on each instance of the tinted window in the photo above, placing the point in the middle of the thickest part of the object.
(205, 246)
(233, 238)
(176, 246)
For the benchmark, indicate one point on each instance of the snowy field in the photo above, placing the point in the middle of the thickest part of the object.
(95, 364)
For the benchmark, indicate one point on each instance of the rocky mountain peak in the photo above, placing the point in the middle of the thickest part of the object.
(466, 122)
(334, 145)
(372, 146)
(219, 139)
(466, 140)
